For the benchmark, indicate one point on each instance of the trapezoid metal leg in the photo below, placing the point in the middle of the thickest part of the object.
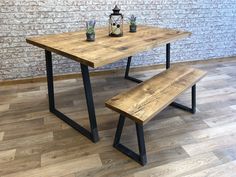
(127, 72)
(119, 130)
(141, 157)
(93, 135)
(185, 108)
(167, 56)
(90, 103)
(194, 102)
(141, 144)
(128, 66)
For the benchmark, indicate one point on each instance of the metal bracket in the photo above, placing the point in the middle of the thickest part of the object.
(141, 158)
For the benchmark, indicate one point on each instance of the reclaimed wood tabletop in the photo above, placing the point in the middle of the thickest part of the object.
(105, 50)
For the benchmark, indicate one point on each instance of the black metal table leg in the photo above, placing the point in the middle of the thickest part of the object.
(90, 103)
(141, 157)
(93, 135)
(128, 66)
(127, 72)
(49, 69)
(167, 56)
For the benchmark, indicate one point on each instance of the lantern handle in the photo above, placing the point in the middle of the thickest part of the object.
(116, 10)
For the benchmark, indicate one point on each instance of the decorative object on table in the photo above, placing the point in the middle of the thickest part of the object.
(90, 30)
(116, 23)
(132, 24)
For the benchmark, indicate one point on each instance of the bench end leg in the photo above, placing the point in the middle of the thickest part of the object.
(194, 99)
(141, 158)
(185, 108)
(141, 144)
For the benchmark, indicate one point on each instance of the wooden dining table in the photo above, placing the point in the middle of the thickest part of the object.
(104, 50)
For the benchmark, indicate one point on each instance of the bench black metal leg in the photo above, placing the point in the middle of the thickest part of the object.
(194, 102)
(185, 108)
(119, 130)
(141, 157)
(93, 135)
(127, 72)
(167, 56)
(141, 144)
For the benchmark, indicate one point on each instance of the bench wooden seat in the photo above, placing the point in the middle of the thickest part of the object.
(150, 97)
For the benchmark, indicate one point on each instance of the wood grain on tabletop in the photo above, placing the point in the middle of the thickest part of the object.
(105, 49)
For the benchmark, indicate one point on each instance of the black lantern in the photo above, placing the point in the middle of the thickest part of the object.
(116, 23)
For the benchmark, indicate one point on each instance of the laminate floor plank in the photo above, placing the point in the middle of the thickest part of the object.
(210, 145)
(8, 155)
(214, 132)
(26, 141)
(4, 107)
(180, 167)
(225, 170)
(62, 169)
(221, 120)
(18, 165)
(1, 136)
(226, 154)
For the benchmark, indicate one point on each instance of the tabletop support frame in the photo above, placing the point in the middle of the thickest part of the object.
(93, 135)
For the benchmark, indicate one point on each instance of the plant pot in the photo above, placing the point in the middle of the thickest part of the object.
(132, 28)
(90, 37)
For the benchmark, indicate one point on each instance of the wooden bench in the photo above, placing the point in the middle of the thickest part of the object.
(148, 98)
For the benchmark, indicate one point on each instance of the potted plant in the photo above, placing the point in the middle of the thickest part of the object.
(90, 30)
(132, 24)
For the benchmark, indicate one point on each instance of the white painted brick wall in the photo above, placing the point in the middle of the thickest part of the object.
(212, 22)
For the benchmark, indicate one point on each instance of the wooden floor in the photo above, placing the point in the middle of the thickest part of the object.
(34, 143)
